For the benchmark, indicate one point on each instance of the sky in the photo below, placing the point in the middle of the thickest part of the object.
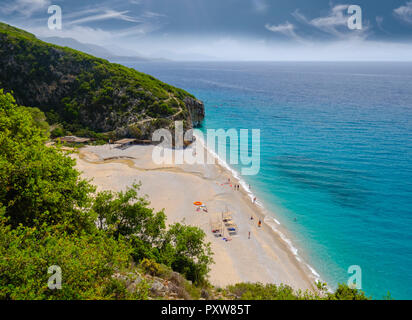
(226, 29)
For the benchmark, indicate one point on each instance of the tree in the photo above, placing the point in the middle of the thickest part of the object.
(38, 184)
(58, 132)
(87, 263)
(127, 214)
(187, 252)
(344, 292)
(181, 247)
(38, 117)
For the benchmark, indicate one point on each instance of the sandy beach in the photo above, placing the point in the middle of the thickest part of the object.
(264, 258)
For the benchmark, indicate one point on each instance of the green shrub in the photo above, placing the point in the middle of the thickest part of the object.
(151, 267)
(258, 291)
(38, 184)
(57, 132)
(87, 263)
(344, 292)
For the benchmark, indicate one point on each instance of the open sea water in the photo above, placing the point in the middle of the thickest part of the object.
(336, 156)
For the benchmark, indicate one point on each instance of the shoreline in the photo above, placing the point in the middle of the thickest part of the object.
(267, 217)
(267, 257)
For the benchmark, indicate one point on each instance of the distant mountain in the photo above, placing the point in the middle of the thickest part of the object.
(88, 94)
(174, 56)
(94, 50)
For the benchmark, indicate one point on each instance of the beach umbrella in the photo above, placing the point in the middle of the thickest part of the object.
(197, 203)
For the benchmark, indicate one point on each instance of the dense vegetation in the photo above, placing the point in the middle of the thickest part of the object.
(84, 95)
(50, 216)
(258, 291)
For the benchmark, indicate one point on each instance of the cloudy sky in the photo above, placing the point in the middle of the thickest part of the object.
(226, 29)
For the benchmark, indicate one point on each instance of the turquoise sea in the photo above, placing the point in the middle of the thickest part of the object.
(336, 156)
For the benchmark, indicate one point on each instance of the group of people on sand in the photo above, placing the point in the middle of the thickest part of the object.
(259, 224)
(235, 186)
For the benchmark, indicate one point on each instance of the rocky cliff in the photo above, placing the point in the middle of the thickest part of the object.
(86, 94)
(196, 110)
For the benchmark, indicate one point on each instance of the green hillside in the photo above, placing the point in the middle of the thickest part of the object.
(82, 92)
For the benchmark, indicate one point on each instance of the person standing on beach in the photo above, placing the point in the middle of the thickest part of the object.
(260, 223)
(249, 235)
(254, 200)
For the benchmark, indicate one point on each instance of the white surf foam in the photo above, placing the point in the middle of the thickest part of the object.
(270, 221)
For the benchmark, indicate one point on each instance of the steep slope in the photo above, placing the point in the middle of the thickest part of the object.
(86, 93)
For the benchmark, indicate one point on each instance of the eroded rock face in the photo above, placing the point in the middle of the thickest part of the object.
(196, 110)
(170, 289)
(157, 288)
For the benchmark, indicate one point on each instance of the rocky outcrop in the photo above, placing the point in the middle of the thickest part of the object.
(196, 110)
(172, 288)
